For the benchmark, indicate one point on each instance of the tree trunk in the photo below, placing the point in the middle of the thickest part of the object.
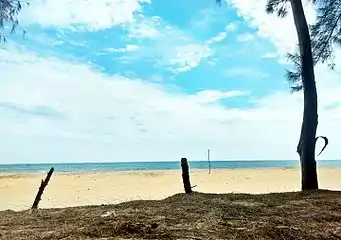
(306, 145)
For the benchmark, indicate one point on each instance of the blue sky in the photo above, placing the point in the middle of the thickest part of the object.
(134, 80)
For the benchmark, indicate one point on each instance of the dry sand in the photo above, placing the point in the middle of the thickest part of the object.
(17, 191)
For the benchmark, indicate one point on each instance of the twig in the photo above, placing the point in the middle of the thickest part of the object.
(191, 237)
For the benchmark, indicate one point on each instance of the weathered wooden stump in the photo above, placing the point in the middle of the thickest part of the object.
(185, 175)
(42, 188)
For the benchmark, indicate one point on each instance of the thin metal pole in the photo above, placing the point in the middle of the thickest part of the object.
(209, 161)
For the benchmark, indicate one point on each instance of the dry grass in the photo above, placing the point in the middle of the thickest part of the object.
(310, 215)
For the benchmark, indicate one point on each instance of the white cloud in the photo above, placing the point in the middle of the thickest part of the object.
(183, 52)
(204, 18)
(167, 45)
(211, 96)
(218, 38)
(269, 55)
(246, 37)
(231, 27)
(222, 35)
(142, 27)
(83, 14)
(128, 48)
(54, 110)
(188, 56)
(245, 72)
(281, 31)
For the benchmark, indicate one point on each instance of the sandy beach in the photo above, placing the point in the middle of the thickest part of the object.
(17, 191)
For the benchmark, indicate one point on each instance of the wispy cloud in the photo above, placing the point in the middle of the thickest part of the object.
(128, 48)
(80, 14)
(211, 96)
(206, 17)
(245, 72)
(145, 27)
(40, 111)
(141, 120)
(222, 35)
(270, 55)
(218, 38)
(82, 85)
(246, 37)
(185, 57)
(168, 46)
(231, 26)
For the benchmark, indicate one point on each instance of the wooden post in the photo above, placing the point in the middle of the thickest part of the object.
(209, 161)
(185, 175)
(42, 188)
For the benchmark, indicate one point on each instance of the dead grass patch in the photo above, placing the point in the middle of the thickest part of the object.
(309, 215)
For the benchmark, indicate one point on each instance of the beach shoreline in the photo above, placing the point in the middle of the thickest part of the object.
(68, 189)
(151, 170)
(166, 165)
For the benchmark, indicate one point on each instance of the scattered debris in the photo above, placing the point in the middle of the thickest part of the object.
(109, 213)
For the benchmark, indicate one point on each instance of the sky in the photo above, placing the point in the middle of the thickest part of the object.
(151, 80)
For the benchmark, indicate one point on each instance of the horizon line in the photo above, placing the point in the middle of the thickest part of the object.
(158, 161)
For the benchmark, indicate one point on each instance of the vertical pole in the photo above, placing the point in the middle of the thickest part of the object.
(209, 161)
(185, 175)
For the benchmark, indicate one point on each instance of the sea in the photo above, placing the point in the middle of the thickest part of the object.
(140, 166)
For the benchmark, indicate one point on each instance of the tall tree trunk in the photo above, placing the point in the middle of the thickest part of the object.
(306, 145)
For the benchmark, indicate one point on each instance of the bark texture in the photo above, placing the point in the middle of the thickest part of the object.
(306, 145)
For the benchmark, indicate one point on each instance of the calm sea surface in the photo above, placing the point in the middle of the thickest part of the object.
(135, 166)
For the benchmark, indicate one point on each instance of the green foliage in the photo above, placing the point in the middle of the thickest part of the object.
(294, 77)
(325, 34)
(9, 10)
(280, 7)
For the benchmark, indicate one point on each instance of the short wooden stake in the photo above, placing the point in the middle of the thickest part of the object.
(185, 175)
(42, 188)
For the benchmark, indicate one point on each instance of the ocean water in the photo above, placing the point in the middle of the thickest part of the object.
(135, 166)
